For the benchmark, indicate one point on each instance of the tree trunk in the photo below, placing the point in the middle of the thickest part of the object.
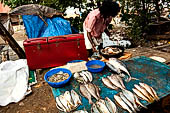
(11, 41)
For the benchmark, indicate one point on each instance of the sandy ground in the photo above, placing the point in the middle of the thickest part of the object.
(41, 99)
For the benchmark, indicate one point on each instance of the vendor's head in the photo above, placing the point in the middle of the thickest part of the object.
(109, 8)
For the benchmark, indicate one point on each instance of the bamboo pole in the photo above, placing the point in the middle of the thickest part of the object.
(11, 41)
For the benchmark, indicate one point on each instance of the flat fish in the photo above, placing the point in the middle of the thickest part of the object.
(150, 90)
(84, 77)
(65, 103)
(130, 96)
(110, 105)
(59, 105)
(138, 102)
(94, 109)
(76, 98)
(121, 103)
(139, 94)
(121, 81)
(119, 65)
(144, 92)
(108, 83)
(127, 102)
(92, 90)
(102, 107)
(90, 76)
(97, 91)
(67, 96)
(113, 68)
(115, 81)
(84, 92)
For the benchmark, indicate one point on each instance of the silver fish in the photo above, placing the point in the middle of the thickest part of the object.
(94, 109)
(108, 83)
(59, 105)
(119, 66)
(65, 103)
(139, 94)
(115, 81)
(127, 102)
(110, 105)
(121, 81)
(138, 102)
(120, 102)
(97, 91)
(84, 92)
(102, 107)
(90, 77)
(113, 68)
(130, 96)
(68, 97)
(150, 90)
(92, 90)
(84, 77)
(154, 92)
(78, 77)
(144, 92)
(76, 98)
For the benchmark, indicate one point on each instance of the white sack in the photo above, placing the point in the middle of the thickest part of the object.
(13, 81)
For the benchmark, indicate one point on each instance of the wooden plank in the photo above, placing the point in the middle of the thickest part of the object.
(11, 41)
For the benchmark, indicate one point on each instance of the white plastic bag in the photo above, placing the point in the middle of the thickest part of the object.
(13, 81)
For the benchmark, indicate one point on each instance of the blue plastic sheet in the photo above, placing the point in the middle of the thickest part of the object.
(151, 72)
(35, 27)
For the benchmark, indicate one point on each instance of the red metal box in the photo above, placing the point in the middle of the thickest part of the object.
(54, 51)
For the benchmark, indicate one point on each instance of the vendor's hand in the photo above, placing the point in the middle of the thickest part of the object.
(94, 49)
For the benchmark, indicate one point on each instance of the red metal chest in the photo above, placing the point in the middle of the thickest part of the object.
(54, 51)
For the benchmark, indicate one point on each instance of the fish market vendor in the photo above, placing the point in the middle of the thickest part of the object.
(96, 23)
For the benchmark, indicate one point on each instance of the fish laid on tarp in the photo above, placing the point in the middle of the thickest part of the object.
(115, 81)
(94, 109)
(102, 107)
(84, 92)
(110, 105)
(138, 102)
(119, 66)
(92, 90)
(76, 98)
(150, 90)
(122, 104)
(144, 92)
(127, 102)
(108, 83)
(68, 102)
(130, 96)
(140, 95)
(59, 105)
(83, 76)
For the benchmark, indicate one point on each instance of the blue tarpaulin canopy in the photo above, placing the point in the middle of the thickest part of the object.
(35, 26)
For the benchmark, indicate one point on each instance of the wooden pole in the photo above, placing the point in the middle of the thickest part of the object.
(11, 41)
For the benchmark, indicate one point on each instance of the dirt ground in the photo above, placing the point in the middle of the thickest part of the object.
(41, 99)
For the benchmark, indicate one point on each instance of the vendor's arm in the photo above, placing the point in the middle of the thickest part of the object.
(107, 32)
(91, 41)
